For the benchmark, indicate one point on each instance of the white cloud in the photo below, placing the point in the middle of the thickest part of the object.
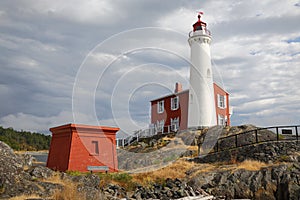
(93, 11)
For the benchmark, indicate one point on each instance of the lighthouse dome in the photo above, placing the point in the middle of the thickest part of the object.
(199, 25)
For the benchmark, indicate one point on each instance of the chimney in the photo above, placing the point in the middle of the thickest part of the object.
(178, 87)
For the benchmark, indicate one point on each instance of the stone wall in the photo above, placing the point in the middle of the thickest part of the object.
(265, 152)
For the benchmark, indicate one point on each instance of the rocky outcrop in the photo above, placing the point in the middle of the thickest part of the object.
(170, 189)
(151, 154)
(15, 181)
(280, 180)
(277, 182)
(265, 152)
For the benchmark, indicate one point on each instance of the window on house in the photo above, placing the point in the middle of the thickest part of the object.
(175, 124)
(174, 103)
(95, 147)
(221, 120)
(160, 106)
(160, 125)
(221, 101)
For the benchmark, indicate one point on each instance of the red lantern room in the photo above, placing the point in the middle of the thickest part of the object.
(199, 25)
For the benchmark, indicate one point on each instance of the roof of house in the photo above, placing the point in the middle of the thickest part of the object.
(169, 95)
(183, 91)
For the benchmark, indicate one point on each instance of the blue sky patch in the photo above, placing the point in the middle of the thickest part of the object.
(297, 39)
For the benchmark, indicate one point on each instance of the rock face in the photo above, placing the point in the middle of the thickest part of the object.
(278, 183)
(13, 179)
(153, 153)
(171, 189)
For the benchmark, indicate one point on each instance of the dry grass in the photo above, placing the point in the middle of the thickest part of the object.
(55, 178)
(204, 168)
(192, 148)
(251, 165)
(22, 197)
(175, 170)
(69, 192)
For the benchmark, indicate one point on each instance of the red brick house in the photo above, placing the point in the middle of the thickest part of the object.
(170, 112)
(83, 148)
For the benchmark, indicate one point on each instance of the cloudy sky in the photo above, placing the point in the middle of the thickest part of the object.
(100, 61)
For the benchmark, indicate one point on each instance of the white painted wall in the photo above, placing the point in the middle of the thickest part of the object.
(202, 111)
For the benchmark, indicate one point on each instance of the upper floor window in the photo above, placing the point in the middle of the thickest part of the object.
(174, 103)
(160, 106)
(221, 101)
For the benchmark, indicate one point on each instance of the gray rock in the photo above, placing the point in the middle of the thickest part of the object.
(14, 181)
(275, 182)
(27, 159)
(41, 172)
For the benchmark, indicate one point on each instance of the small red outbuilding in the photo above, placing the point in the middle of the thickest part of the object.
(76, 147)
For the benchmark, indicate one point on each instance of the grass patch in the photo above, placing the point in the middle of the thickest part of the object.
(75, 173)
(174, 170)
(55, 178)
(22, 197)
(119, 178)
(284, 158)
(251, 165)
(69, 192)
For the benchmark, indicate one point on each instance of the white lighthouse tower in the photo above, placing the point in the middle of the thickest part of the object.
(202, 111)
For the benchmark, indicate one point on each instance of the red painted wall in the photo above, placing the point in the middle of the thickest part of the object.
(58, 157)
(182, 112)
(73, 147)
(222, 111)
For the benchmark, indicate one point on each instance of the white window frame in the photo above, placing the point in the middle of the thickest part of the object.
(221, 101)
(175, 103)
(221, 120)
(160, 125)
(175, 124)
(160, 106)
